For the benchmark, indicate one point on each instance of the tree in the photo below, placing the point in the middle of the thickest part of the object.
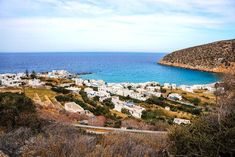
(33, 75)
(27, 73)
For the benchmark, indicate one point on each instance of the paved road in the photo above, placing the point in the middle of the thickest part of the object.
(120, 129)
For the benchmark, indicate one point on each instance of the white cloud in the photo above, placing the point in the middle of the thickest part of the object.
(122, 25)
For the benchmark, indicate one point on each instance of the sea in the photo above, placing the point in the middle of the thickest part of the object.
(108, 66)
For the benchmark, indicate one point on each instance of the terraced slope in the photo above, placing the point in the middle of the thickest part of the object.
(213, 57)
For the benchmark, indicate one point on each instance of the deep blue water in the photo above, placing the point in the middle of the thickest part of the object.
(111, 67)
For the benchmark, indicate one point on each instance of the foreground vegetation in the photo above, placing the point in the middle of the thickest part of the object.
(212, 135)
(24, 133)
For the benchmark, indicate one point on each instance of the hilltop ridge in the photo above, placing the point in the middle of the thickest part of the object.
(213, 57)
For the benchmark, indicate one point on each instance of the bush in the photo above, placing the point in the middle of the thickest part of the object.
(108, 102)
(212, 135)
(33, 75)
(205, 137)
(117, 124)
(195, 101)
(60, 90)
(162, 90)
(17, 110)
(154, 116)
(128, 98)
(157, 101)
(100, 110)
(63, 98)
(96, 98)
(125, 111)
(17, 102)
(86, 99)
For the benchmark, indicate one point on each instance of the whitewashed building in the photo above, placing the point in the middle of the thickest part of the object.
(35, 83)
(175, 96)
(135, 111)
(78, 81)
(181, 121)
(73, 107)
(73, 89)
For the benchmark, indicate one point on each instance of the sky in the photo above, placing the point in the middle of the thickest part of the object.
(113, 25)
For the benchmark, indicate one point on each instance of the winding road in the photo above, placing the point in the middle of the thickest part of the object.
(108, 129)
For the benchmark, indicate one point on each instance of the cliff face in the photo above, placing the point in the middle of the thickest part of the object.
(213, 57)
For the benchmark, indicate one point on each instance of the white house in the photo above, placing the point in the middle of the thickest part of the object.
(10, 80)
(167, 108)
(166, 85)
(175, 96)
(134, 110)
(88, 89)
(181, 121)
(87, 83)
(35, 83)
(118, 104)
(58, 74)
(186, 88)
(153, 89)
(97, 83)
(78, 81)
(73, 107)
(73, 89)
(173, 86)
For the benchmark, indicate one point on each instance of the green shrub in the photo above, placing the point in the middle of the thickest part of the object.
(16, 110)
(86, 99)
(195, 101)
(108, 102)
(205, 137)
(17, 102)
(162, 90)
(100, 110)
(63, 98)
(60, 90)
(157, 101)
(125, 111)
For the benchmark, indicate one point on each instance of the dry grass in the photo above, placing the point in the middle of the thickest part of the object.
(179, 114)
(204, 97)
(42, 92)
(56, 80)
(10, 89)
(119, 114)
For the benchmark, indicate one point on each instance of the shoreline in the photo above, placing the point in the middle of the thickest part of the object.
(76, 75)
(219, 70)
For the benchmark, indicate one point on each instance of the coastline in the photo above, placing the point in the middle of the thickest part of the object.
(78, 76)
(220, 69)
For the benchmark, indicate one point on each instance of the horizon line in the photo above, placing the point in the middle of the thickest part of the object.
(83, 52)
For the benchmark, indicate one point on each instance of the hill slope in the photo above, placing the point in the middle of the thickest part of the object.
(213, 57)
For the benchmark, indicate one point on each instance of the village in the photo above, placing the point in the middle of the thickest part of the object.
(131, 99)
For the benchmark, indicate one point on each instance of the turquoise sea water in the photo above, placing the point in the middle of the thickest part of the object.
(111, 67)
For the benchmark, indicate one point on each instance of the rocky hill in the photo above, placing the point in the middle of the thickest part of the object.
(213, 57)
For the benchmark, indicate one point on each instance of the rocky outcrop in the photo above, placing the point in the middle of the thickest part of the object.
(213, 57)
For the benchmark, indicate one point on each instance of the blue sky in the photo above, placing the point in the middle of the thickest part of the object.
(113, 25)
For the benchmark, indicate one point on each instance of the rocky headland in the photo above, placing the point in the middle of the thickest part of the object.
(216, 57)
